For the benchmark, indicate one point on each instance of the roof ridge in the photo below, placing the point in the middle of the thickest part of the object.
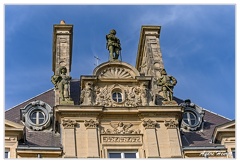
(217, 114)
(29, 99)
(75, 79)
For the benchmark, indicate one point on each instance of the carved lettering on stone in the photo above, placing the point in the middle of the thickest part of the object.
(122, 139)
(68, 123)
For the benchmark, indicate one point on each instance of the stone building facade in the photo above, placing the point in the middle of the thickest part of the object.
(119, 111)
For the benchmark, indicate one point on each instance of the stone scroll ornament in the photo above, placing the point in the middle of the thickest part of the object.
(61, 82)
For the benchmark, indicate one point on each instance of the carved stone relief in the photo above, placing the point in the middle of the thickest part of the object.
(90, 123)
(102, 96)
(116, 72)
(120, 128)
(86, 97)
(149, 123)
(171, 123)
(68, 123)
(62, 51)
(129, 95)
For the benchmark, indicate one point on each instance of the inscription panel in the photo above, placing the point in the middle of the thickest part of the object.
(122, 139)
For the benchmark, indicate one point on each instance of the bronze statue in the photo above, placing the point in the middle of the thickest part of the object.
(62, 82)
(113, 45)
(167, 83)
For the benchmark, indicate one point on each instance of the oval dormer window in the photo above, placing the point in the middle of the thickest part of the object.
(37, 115)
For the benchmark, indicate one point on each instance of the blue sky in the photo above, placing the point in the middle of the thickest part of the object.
(197, 43)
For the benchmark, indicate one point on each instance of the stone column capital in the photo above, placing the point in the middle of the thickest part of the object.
(149, 124)
(68, 123)
(91, 123)
(171, 124)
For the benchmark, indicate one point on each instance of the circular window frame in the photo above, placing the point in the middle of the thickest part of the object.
(37, 106)
(35, 126)
(198, 119)
(189, 119)
(38, 111)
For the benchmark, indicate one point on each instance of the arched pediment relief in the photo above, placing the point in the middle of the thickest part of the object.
(115, 70)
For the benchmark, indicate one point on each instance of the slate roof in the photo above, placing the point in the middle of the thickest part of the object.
(13, 114)
(50, 138)
(203, 137)
(42, 138)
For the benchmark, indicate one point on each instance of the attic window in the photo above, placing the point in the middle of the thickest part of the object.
(37, 117)
(117, 96)
(190, 118)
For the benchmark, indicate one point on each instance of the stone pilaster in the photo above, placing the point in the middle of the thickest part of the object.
(69, 138)
(151, 139)
(92, 138)
(149, 60)
(62, 50)
(174, 138)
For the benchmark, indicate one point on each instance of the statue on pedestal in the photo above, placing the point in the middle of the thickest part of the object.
(113, 45)
(61, 81)
(167, 83)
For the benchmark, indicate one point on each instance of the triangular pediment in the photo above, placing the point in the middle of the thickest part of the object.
(226, 126)
(9, 125)
(115, 70)
(224, 130)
